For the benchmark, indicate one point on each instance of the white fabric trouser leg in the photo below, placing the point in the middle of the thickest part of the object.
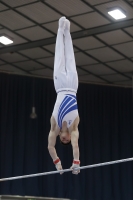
(65, 73)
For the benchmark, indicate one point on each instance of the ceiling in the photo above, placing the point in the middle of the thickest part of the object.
(103, 46)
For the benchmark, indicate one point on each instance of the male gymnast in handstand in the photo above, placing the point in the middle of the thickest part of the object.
(65, 118)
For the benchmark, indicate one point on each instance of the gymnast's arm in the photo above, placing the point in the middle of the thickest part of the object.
(74, 139)
(74, 142)
(75, 146)
(52, 140)
(51, 144)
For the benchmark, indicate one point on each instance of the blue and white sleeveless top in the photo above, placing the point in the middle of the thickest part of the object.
(65, 108)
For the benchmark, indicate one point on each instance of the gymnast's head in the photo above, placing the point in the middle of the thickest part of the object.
(65, 137)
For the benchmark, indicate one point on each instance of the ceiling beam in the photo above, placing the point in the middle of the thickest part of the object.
(75, 35)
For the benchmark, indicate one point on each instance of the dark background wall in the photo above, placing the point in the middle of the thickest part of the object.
(105, 134)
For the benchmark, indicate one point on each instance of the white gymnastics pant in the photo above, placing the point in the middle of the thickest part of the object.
(65, 73)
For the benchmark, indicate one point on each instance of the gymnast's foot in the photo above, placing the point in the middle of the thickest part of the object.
(67, 25)
(62, 23)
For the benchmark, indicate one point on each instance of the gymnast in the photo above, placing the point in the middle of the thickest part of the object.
(65, 118)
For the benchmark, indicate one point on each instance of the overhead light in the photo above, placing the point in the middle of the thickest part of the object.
(33, 115)
(117, 14)
(5, 40)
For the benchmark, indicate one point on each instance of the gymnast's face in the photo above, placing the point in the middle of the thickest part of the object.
(65, 137)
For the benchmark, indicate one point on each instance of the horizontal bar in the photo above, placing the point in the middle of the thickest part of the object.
(67, 170)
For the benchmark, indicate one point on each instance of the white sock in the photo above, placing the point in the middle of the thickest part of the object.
(62, 24)
(67, 25)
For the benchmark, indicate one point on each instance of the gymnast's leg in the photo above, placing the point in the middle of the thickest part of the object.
(70, 59)
(59, 62)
